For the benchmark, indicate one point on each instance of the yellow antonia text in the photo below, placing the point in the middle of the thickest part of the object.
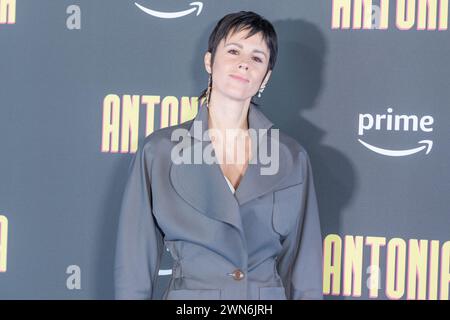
(122, 114)
(7, 11)
(413, 269)
(366, 14)
(3, 242)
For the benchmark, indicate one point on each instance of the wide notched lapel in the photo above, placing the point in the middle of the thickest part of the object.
(203, 185)
(254, 183)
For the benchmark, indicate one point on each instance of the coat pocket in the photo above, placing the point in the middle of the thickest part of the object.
(191, 294)
(286, 208)
(272, 293)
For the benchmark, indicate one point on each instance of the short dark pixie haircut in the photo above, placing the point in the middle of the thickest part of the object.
(243, 20)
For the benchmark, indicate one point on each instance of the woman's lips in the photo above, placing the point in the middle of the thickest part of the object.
(239, 78)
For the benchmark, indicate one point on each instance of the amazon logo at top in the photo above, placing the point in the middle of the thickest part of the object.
(390, 122)
(193, 8)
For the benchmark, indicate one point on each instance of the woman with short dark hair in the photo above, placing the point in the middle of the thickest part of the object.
(235, 229)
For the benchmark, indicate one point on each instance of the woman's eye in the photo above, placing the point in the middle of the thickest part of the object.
(233, 51)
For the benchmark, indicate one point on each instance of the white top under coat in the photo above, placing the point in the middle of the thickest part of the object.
(230, 185)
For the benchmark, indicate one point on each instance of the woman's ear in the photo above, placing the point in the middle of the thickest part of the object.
(208, 62)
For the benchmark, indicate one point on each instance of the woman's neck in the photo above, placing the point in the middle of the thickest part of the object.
(229, 114)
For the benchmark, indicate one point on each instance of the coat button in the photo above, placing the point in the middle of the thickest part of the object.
(237, 274)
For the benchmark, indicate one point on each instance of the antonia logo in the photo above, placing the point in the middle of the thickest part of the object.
(7, 11)
(197, 7)
(408, 14)
(396, 123)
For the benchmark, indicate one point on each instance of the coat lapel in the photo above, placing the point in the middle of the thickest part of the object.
(203, 185)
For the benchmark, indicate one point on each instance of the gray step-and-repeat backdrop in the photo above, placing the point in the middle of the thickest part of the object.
(362, 85)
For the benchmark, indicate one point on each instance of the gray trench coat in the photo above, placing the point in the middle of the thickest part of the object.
(262, 242)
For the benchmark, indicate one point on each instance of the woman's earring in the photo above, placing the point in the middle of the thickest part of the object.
(208, 91)
(260, 91)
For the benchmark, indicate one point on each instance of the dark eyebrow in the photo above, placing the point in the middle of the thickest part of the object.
(240, 46)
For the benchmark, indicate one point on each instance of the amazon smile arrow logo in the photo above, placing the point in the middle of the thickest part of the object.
(427, 144)
(197, 6)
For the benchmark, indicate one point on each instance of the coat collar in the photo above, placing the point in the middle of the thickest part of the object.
(256, 120)
(204, 187)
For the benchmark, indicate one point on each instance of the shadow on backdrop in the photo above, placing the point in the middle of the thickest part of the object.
(295, 87)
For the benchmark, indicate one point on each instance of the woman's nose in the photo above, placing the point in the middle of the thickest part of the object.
(243, 65)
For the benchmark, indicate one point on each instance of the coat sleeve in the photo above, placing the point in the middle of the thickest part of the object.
(139, 240)
(300, 263)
